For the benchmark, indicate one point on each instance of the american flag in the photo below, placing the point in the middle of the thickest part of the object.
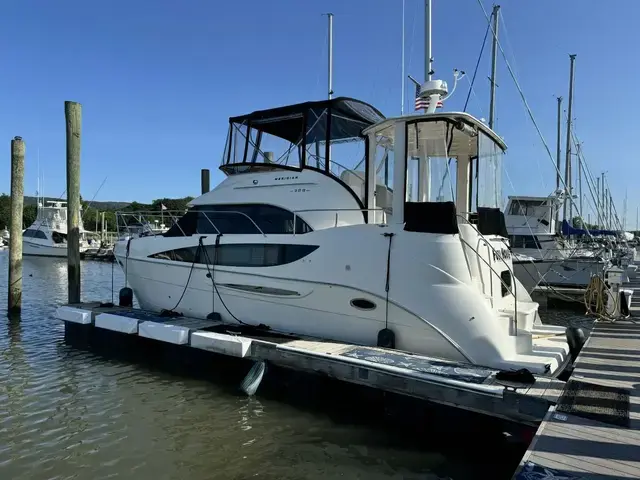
(423, 103)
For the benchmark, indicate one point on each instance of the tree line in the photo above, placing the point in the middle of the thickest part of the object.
(91, 213)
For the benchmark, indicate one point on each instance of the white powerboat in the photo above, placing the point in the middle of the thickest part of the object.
(47, 236)
(384, 253)
(5, 236)
(548, 259)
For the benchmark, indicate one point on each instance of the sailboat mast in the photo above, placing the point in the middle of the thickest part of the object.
(578, 150)
(558, 161)
(598, 201)
(494, 63)
(567, 171)
(624, 211)
(604, 208)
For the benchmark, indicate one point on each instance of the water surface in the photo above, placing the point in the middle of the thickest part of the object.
(69, 414)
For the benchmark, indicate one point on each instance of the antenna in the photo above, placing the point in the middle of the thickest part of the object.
(330, 66)
(428, 71)
(404, 80)
(433, 92)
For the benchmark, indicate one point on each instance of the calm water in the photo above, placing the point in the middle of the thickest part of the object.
(66, 413)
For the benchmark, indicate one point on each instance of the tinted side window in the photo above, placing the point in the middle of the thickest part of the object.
(238, 219)
(524, 241)
(40, 234)
(239, 255)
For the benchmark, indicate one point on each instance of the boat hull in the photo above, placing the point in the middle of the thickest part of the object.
(557, 273)
(339, 292)
(42, 250)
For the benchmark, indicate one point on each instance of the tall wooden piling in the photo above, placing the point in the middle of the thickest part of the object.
(15, 242)
(204, 181)
(73, 117)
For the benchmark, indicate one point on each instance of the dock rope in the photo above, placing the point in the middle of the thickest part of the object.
(596, 298)
(211, 272)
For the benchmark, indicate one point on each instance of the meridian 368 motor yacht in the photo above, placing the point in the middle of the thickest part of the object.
(387, 254)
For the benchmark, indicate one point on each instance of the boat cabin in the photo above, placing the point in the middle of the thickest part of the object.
(532, 215)
(352, 160)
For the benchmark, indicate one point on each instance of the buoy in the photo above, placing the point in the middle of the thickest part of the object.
(575, 339)
(215, 316)
(252, 381)
(386, 338)
(125, 298)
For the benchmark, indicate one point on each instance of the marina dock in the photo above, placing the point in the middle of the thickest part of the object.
(593, 431)
(448, 383)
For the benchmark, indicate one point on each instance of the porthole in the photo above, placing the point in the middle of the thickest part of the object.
(362, 304)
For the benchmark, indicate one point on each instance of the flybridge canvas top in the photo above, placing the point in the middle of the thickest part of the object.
(295, 136)
(348, 118)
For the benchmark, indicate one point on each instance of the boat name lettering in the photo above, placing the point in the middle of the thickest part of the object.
(301, 190)
(293, 177)
(502, 254)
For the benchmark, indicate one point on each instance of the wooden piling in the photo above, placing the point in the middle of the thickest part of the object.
(204, 180)
(73, 117)
(15, 242)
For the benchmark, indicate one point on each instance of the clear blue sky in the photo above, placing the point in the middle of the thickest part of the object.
(158, 80)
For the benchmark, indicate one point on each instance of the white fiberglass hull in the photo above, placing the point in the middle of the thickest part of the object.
(557, 273)
(43, 250)
(338, 292)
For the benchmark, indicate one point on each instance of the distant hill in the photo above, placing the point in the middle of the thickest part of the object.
(97, 205)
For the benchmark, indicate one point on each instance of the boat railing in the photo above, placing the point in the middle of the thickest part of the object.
(336, 211)
(510, 288)
(155, 223)
(152, 223)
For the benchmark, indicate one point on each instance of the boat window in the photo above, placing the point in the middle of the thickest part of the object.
(238, 219)
(34, 234)
(489, 174)
(524, 241)
(58, 237)
(525, 207)
(239, 255)
(300, 135)
(431, 161)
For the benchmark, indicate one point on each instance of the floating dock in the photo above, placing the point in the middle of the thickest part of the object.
(593, 431)
(551, 296)
(448, 383)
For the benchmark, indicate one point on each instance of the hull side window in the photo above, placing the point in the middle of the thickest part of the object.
(239, 255)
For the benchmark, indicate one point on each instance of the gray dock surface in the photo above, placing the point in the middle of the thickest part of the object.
(596, 433)
(449, 383)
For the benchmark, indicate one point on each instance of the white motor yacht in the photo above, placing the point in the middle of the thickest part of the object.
(5, 236)
(47, 236)
(397, 250)
(548, 259)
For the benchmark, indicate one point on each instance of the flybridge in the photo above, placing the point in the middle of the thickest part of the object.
(295, 136)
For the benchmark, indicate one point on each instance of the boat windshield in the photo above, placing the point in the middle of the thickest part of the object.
(324, 135)
(450, 157)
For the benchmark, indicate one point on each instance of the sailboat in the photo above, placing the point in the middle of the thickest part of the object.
(299, 239)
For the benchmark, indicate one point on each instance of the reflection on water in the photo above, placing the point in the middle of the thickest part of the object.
(65, 413)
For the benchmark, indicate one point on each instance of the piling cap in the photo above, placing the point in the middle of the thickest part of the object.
(17, 138)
